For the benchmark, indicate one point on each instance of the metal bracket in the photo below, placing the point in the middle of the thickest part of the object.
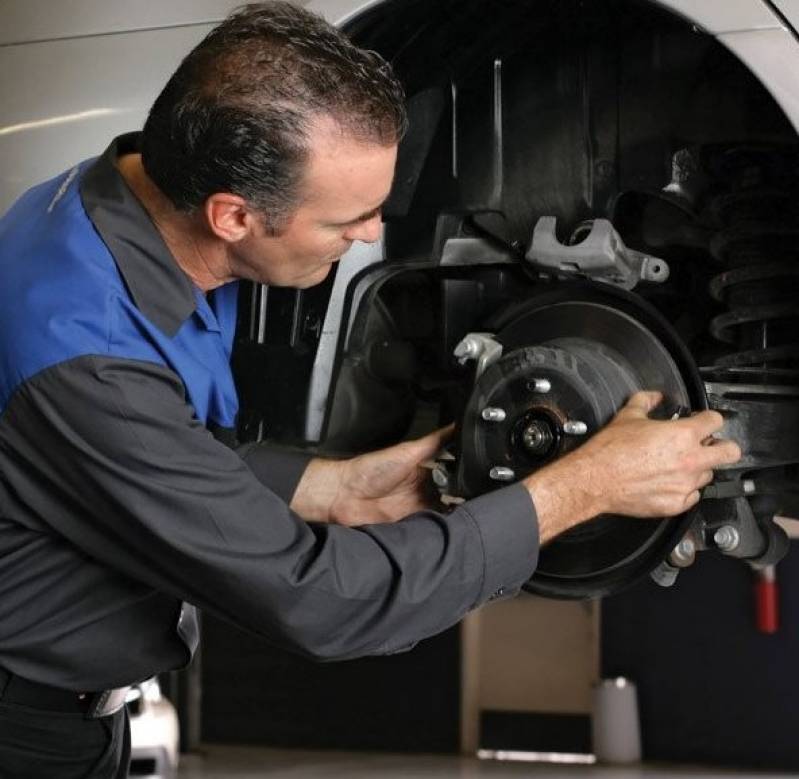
(481, 347)
(601, 255)
(475, 251)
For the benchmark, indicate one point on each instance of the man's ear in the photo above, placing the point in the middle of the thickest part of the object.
(228, 216)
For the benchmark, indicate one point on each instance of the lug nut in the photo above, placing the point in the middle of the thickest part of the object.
(491, 414)
(574, 427)
(539, 385)
(537, 437)
(501, 473)
(727, 538)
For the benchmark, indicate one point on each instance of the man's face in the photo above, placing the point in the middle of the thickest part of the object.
(344, 187)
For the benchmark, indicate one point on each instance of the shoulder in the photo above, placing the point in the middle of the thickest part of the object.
(60, 291)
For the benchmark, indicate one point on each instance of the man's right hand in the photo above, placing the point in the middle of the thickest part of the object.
(635, 466)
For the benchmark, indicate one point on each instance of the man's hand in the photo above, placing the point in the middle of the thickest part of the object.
(634, 466)
(381, 486)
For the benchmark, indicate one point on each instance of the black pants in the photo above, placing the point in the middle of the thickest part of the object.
(38, 744)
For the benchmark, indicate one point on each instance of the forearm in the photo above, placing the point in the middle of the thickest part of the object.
(317, 490)
(563, 495)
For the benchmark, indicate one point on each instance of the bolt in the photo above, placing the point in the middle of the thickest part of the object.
(501, 473)
(684, 553)
(727, 538)
(539, 385)
(440, 477)
(748, 486)
(537, 437)
(491, 414)
(574, 427)
(665, 575)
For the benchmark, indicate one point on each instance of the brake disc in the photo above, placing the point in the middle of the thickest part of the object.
(570, 360)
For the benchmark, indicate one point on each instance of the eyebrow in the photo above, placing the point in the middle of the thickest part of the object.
(366, 216)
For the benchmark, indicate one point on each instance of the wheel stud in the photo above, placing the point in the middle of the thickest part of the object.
(491, 414)
(574, 427)
(541, 386)
(501, 473)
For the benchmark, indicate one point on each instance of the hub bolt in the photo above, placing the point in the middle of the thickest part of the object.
(574, 427)
(501, 473)
(727, 538)
(491, 414)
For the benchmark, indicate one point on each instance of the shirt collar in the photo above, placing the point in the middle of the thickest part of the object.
(158, 286)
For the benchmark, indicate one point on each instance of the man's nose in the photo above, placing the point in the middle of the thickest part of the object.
(367, 231)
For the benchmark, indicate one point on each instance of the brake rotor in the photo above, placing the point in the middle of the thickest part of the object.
(571, 359)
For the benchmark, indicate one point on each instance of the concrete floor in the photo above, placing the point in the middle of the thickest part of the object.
(226, 762)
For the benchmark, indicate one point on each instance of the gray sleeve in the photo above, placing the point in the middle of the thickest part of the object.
(108, 453)
(277, 468)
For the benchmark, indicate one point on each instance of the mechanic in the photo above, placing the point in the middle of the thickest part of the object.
(123, 496)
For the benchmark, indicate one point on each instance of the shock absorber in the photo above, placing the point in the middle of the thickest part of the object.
(758, 247)
(754, 380)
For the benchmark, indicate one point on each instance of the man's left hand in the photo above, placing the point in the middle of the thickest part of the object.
(382, 486)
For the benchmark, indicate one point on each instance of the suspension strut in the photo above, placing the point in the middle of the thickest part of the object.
(758, 246)
(754, 380)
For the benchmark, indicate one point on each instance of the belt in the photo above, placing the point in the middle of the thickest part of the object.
(15, 689)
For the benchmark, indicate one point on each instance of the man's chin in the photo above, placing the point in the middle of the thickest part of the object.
(312, 279)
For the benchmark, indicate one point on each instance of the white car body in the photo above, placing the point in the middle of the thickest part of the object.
(79, 73)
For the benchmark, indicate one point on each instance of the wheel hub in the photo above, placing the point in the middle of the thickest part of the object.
(569, 363)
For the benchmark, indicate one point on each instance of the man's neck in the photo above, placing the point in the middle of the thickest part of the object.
(196, 253)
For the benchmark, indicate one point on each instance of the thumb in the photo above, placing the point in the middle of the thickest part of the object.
(641, 403)
(430, 445)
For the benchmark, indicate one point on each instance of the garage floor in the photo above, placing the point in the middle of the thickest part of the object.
(225, 762)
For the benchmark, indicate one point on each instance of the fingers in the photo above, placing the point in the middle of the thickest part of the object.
(704, 479)
(641, 403)
(692, 499)
(716, 451)
(704, 423)
(721, 452)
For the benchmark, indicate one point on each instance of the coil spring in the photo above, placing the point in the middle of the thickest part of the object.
(758, 245)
